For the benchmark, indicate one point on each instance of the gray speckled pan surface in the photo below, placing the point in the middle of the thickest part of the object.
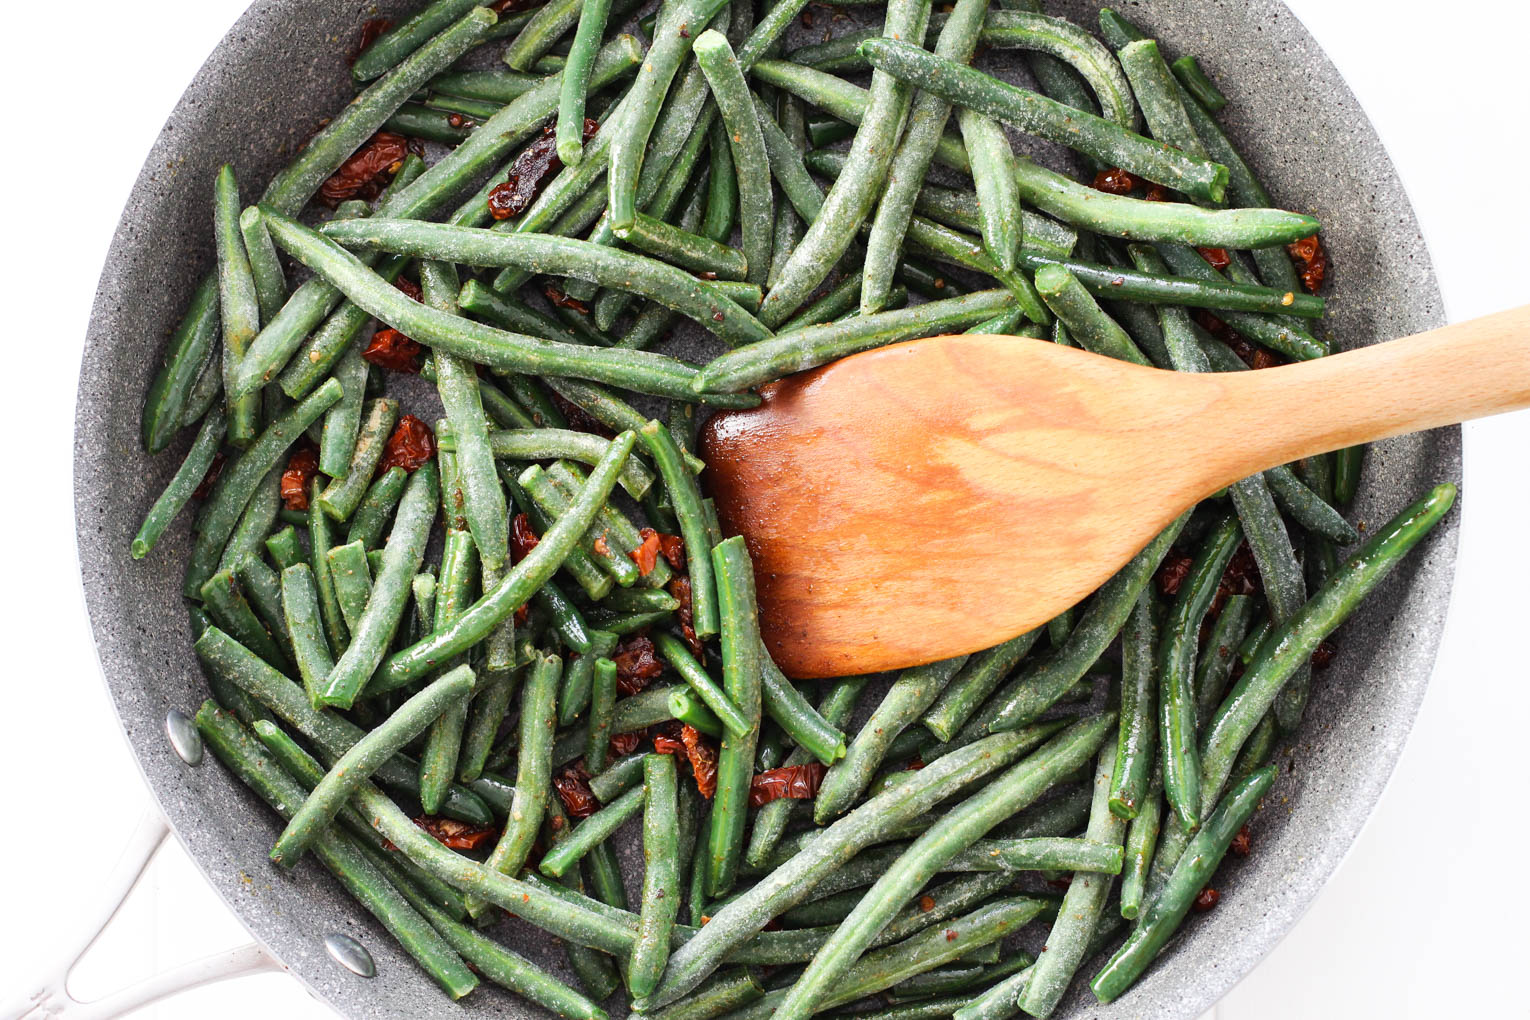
(280, 70)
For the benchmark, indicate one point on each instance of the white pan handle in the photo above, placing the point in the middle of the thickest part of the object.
(51, 999)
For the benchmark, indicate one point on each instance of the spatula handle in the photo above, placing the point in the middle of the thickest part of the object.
(1452, 374)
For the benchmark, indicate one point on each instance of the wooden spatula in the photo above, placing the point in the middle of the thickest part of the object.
(939, 496)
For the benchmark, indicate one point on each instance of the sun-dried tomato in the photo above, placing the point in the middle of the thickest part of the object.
(536, 164)
(646, 556)
(926, 903)
(703, 755)
(1206, 899)
(410, 288)
(1222, 331)
(1115, 181)
(1323, 654)
(952, 934)
(914, 764)
(573, 785)
(1060, 883)
(411, 445)
(623, 744)
(454, 834)
(1172, 573)
(789, 782)
(1264, 358)
(522, 614)
(522, 538)
(203, 490)
(673, 549)
(370, 30)
(663, 743)
(456, 120)
(1217, 257)
(1312, 261)
(1243, 843)
(361, 174)
(635, 664)
(1156, 193)
(558, 299)
(394, 351)
(680, 588)
(301, 467)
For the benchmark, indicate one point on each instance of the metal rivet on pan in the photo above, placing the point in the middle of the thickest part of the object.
(350, 954)
(184, 737)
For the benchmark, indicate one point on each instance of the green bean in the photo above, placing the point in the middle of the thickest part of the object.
(237, 484)
(300, 604)
(226, 604)
(804, 724)
(319, 543)
(1346, 473)
(542, 253)
(685, 497)
(1194, 870)
(855, 192)
(1034, 113)
(185, 481)
(430, 124)
(1159, 96)
(1037, 687)
(342, 422)
(1086, 321)
(481, 498)
(739, 631)
(253, 766)
(993, 172)
(262, 588)
(189, 350)
(1307, 508)
(812, 346)
(678, 21)
(1219, 652)
(403, 554)
(692, 252)
(1285, 588)
(592, 831)
(576, 79)
(595, 582)
(661, 876)
(238, 306)
(352, 578)
(1121, 216)
(398, 42)
(548, 444)
(533, 776)
(1292, 642)
(726, 991)
(1196, 82)
(597, 543)
(265, 267)
(1082, 906)
(954, 832)
(747, 146)
(371, 517)
(486, 712)
(443, 745)
(1136, 744)
(1257, 751)
(1176, 669)
(498, 86)
(537, 37)
(694, 673)
(364, 757)
(1141, 839)
(1064, 43)
(1279, 334)
(330, 733)
(913, 692)
(972, 684)
(578, 674)
(284, 548)
(794, 881)
(345, 492)
(1117, 30)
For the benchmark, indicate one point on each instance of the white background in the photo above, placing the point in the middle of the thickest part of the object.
(1420, 922)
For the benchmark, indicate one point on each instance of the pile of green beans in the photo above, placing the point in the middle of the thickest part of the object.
(576, 668)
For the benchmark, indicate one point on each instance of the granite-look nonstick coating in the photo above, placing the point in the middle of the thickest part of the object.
(281, 69)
